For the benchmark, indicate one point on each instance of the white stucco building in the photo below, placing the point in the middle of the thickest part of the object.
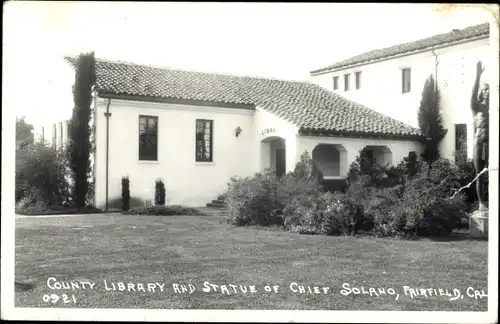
(391, 80)
(196, 130)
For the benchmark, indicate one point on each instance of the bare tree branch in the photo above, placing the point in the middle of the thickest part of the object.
(469, 184)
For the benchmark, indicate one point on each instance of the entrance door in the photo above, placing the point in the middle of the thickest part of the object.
(280, 162)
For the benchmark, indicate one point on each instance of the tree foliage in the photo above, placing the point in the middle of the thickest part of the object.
(79, 144)
(430, 120)
(41, 176)
(24, 133)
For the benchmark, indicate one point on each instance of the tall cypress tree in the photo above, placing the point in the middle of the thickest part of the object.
(79, 145)
(430, 120)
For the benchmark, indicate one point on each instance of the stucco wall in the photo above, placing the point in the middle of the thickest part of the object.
(187, 182)
(352, 146)
(266, 127)
(381, 85)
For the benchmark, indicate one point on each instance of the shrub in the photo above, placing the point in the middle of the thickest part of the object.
(261, 199)
(340, 216)
(41, 176)
(253, 200)
(159, 193)
(410, 165)
(357, 197)
(422, 206)
(162, 210)
(117, 203)
(380, 176)
(304, 209)
(125, 194)
(304, 169)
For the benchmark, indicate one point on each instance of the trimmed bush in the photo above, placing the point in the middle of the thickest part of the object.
(161, 210)
(125, 193)
(159, 193)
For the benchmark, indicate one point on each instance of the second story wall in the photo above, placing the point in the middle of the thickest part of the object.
(381, 85)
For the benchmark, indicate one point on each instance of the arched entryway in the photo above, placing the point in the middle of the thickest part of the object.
(273, 154)
(330, 160)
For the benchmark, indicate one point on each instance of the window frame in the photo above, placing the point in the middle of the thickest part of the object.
(335, 82)
(347, 82)
(357, 79)
(406, 80)
(203, 159)
(151, 156)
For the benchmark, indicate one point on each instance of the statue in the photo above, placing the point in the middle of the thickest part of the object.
(480, 113)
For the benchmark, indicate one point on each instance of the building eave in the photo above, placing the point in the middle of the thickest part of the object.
(391, 57)
(304, 131)
(178, 101)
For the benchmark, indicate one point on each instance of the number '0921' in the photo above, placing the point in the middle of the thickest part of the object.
(53, 298)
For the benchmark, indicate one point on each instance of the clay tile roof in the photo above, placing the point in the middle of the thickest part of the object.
(455, 36)
(314, 109)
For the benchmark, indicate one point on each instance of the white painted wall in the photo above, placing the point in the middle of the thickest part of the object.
(381, 85)
(187, 182)
(278, 127)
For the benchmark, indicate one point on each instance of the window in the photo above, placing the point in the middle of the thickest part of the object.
(346, 82)
(406, 79)
(148, 138)
(460, 140)
(204, 139)
(358, 80)
(335, 83)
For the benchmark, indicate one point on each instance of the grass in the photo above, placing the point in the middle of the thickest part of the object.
(56, 210)
(192, 250)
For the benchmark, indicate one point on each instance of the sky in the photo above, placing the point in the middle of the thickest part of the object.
(277, 40)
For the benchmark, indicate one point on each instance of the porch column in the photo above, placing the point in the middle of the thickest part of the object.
(291, 144)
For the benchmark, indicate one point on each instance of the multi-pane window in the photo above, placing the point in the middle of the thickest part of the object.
(335, 83)
(347, 79)
(406, 80)
(204, 139)
(358, 80)
(148, 138)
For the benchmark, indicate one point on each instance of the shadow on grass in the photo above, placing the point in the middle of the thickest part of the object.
(457, 236)
(23, 286)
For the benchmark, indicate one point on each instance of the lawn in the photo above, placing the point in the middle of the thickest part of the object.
(192, 250)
